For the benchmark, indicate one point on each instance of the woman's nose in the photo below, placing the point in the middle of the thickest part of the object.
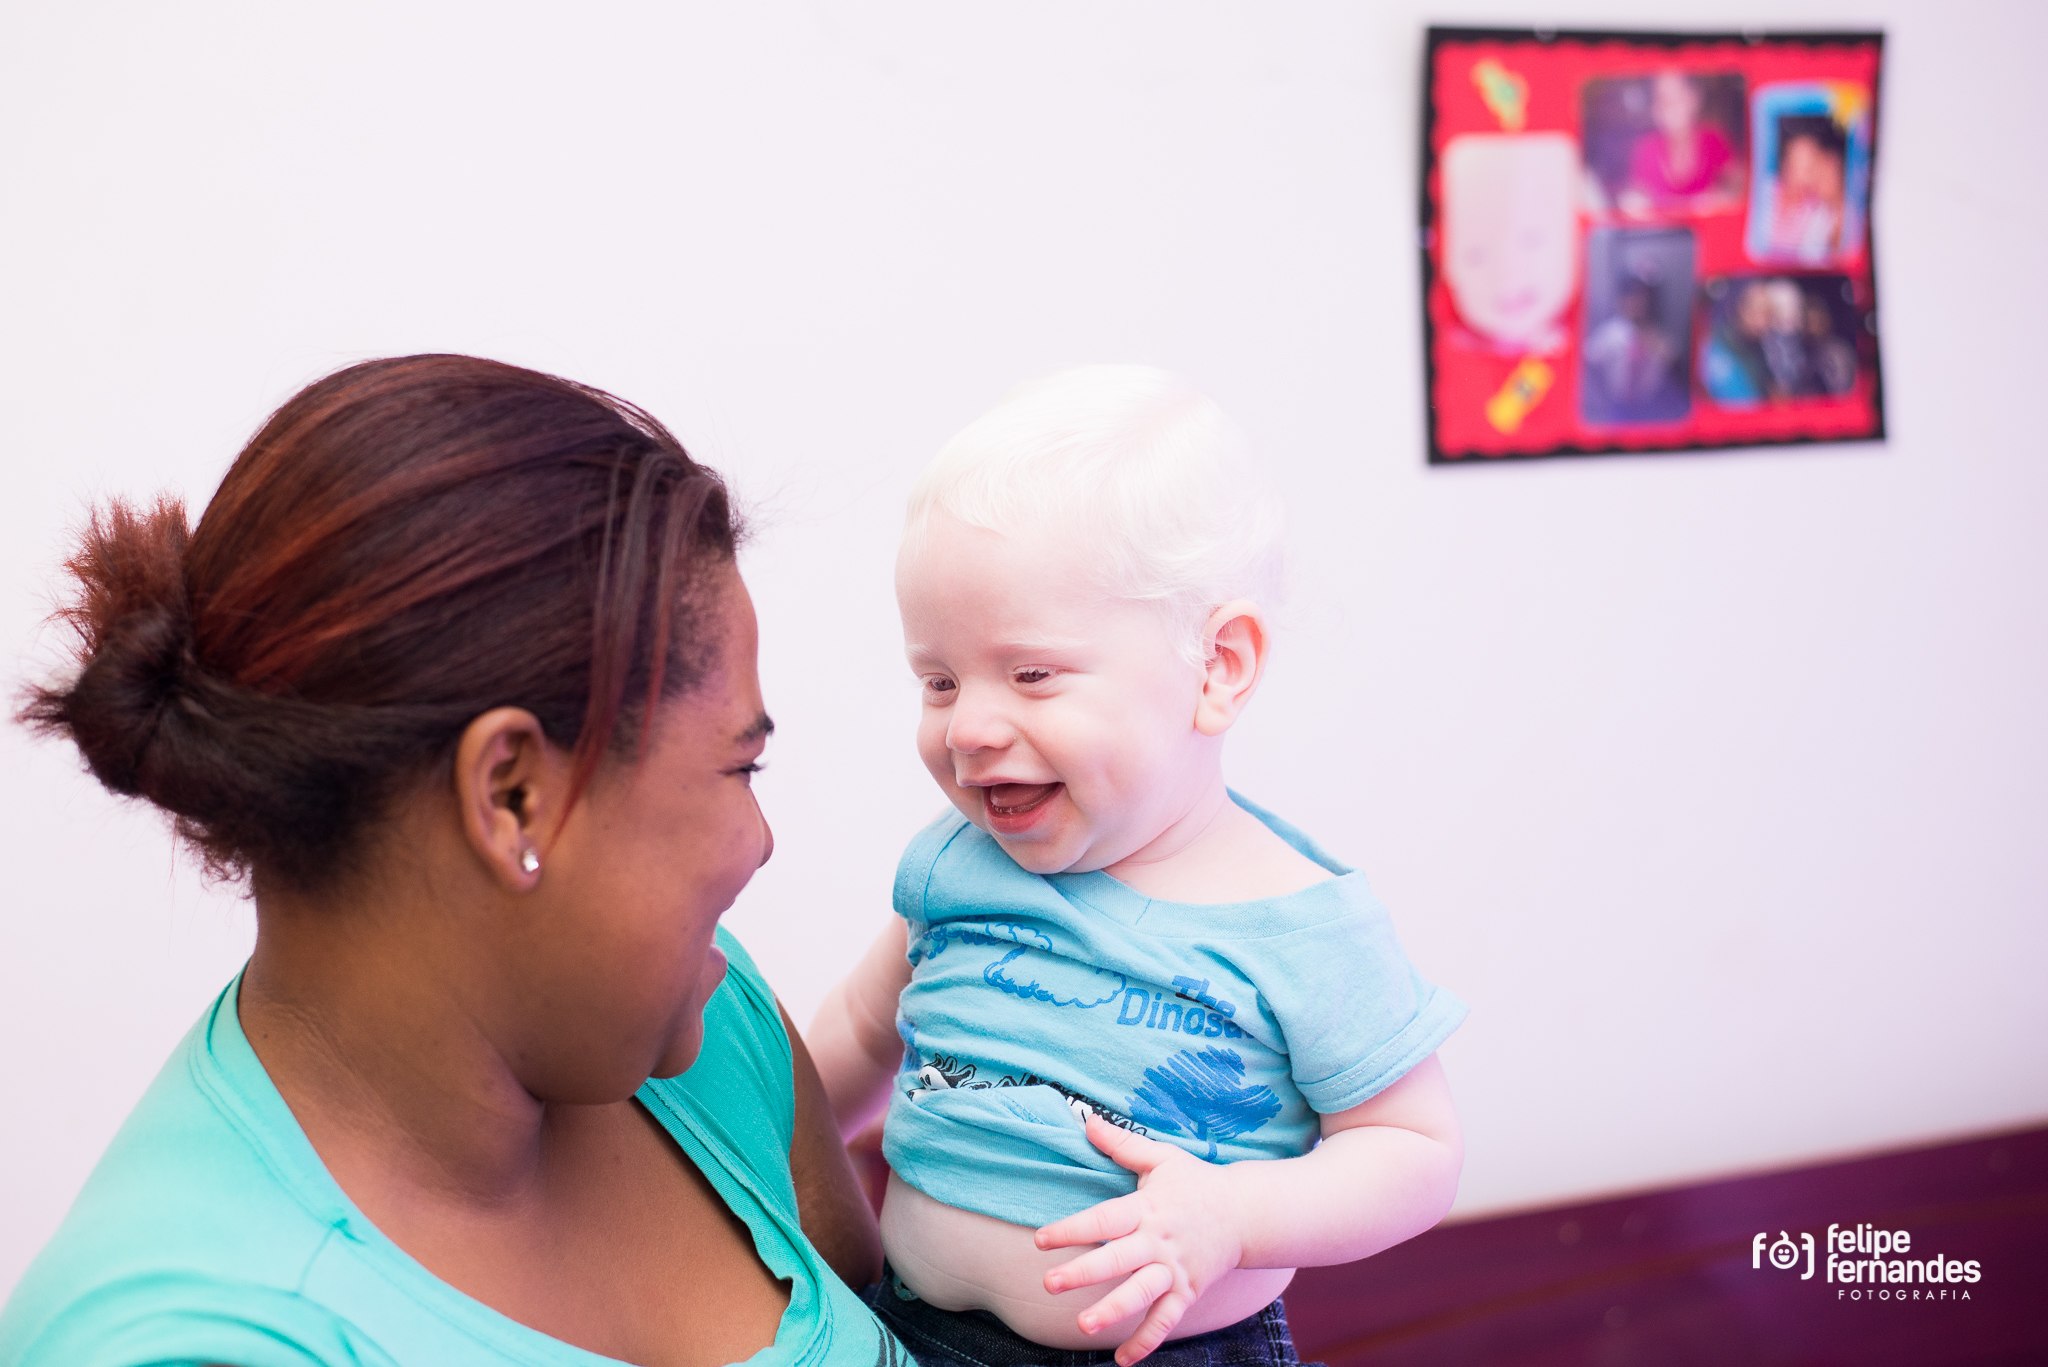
(767, 834)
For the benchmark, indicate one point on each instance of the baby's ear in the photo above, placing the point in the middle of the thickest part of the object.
(1234, 642)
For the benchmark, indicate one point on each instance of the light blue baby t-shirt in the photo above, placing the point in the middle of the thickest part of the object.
(1224, 1028)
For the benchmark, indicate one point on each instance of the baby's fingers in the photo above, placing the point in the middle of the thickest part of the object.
(1166, 1313)
(1119, 1258)
(1111, 1219)
(1147, 1285)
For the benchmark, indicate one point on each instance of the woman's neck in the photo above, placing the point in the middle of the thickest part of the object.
(394, 1079)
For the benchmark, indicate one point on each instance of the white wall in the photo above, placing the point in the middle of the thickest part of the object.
(1715, 783)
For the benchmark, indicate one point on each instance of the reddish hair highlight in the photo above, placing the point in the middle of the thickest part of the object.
(404, 545)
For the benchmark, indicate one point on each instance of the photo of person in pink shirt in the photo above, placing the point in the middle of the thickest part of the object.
(1682, 163)
(1664, 145)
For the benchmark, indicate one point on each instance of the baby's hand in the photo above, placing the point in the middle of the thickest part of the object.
(1172, 1238)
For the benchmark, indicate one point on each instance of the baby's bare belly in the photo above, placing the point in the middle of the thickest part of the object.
(962, 1260)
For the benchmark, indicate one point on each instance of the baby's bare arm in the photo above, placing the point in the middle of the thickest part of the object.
(1385, 1171)
(853, 1037)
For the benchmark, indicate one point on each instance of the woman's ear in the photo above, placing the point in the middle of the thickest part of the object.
(509, 785)
(1234, 641)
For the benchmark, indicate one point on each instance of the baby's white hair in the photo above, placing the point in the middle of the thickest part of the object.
(1133, 461)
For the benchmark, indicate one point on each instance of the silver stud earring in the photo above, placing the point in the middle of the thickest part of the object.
(529, 860)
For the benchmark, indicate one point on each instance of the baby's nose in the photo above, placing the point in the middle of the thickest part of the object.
(976, 725)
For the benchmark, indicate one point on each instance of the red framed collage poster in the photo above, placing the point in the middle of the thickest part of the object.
(1641, 242)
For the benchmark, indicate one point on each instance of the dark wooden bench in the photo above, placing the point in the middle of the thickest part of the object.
(1666, 1277)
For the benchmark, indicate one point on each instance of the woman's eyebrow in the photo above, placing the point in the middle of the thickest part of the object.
(761, 728)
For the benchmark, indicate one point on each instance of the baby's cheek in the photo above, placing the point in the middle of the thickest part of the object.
(931, 738)
(938, 762)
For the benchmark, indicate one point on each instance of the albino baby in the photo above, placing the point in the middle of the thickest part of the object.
(1119, 1008)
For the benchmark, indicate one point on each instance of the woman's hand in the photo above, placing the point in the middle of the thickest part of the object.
(1171, 1239)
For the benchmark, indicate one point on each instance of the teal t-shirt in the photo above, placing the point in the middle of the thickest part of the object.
(211, 1232)
(1227, 1029)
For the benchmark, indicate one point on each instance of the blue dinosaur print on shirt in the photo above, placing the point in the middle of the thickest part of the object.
(1030, 968)
(932, 941)
(1197, 990)
(1201, 1094)
(1032, 971)
(936, 940)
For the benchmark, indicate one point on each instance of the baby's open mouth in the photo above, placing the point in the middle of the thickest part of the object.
(1015, 799)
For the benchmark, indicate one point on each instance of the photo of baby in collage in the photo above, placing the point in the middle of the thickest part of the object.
(1783, 169)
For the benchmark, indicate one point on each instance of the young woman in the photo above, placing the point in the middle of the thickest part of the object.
(457, 672)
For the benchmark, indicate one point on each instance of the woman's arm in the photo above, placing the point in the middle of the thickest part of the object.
(853, 1037)
(834, 1213)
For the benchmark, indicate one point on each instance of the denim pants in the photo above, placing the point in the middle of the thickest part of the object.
(975, 1338)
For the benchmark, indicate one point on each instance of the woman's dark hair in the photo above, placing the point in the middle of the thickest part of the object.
(403, 546)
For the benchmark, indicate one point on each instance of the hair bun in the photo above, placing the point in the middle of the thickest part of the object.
(403, 546)
(133, 616)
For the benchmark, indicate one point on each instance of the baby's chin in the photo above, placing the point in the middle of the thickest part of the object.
(1045, 858)
(1043, 854)
(1033, 857)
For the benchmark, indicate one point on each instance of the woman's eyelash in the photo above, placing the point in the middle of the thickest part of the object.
(751, 768)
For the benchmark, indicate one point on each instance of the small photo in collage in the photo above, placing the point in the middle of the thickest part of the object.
(1665, 143)
(1813, 173)
(1638, 326)
(1511, 250)
(1776, 338)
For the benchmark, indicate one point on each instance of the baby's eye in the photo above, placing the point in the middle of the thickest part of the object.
(938, 683)
(1034, 675)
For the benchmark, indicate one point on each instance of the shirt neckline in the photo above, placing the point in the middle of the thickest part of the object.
(1110, 894)
(233, 1078)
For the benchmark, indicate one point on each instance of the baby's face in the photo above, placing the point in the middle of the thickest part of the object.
(1510, 240)
(1056, 718)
